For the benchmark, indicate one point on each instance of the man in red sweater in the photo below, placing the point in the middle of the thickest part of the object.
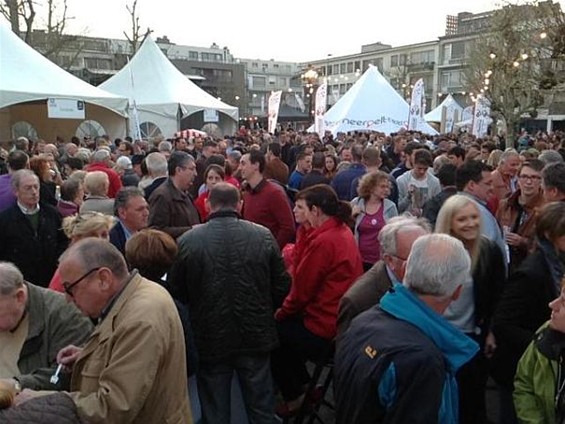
(100, 161)
(264, 202)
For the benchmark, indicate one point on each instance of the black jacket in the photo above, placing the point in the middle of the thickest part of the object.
(523, 308)
(488, 284)
(312, 178)
(118, 237)
(35, 253)
(432, 206)
(231, 275)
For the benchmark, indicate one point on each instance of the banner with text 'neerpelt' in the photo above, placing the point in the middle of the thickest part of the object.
(320, 108)
(481, 117)
(274, 104)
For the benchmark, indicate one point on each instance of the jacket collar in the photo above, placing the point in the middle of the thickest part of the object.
(224, 213)
(176, 194)
(36, 309)
(456, 347)
(104, 329)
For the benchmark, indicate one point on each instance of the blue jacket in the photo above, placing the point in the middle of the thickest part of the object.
(342, 181)
(397, 364)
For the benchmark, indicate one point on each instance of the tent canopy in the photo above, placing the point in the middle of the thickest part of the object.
(156, 86)
(371, 104)
(26, 75)
(448, 102)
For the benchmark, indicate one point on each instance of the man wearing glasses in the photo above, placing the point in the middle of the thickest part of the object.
(171, 208)
(35, 323)
(396, 240)
(133, 367)
(517, 214)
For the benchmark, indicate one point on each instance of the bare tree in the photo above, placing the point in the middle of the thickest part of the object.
(136, 38)
(53, 40)
(516, 62)
(14, 11)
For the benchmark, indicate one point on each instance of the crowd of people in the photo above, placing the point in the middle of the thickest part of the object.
(422, 266)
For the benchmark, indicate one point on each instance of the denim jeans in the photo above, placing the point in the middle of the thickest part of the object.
(254, 374)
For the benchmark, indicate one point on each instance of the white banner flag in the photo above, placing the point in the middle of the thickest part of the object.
(320, 109)
(481, 117)
(417, 105)
(467, 114)
(274, 104)
(134, 128)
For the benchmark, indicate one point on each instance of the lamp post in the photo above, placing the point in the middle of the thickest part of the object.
(310, 81)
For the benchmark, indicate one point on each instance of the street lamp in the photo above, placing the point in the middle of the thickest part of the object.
(310, 81)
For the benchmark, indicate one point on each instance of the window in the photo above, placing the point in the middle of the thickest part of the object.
(357, 65)
(205, 56)
(329, 70)
(254, 65)
(23, 129)
(342, 89)
(97, 63)
(422, 57)
(335, 69)
(276, 66)
(350, 67)
(193, 55)
(402, 60)
(379, 64)
(394, 60)
(342, 68)
(258, 82)
(366, 64)
(90, 129)
(458, 50)
(149, 130)
(451, 79)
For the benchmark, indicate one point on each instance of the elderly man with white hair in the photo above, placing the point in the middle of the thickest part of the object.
(100, 161)
(397, 361)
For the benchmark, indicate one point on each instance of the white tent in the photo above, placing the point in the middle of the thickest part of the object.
(27, 76)
(449, 103)
(160, 90)
(371, 104)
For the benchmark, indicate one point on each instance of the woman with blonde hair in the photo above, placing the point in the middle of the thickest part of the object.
(472, 312)
(78, 227)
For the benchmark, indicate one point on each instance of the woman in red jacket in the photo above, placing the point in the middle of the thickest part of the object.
(327, 264)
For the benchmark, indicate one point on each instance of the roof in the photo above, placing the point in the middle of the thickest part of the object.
(156, 85)
(26, 75)
(371, 104)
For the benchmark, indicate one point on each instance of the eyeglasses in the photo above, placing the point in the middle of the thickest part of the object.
(69, 286)
(530, 177)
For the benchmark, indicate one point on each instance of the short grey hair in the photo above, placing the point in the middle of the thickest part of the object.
(437, 265)
(11, 278)
(100, 155)
(550, 156)
(156, 164)
(96, 183)
(389, 233)
(19, 175)
(507, 154)
(235, 155)
(123, 196)
(165, 146)
(96, 253)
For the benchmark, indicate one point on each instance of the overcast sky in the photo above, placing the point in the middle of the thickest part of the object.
(288, 30)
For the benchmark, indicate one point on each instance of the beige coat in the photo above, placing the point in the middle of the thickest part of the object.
(133, 367)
